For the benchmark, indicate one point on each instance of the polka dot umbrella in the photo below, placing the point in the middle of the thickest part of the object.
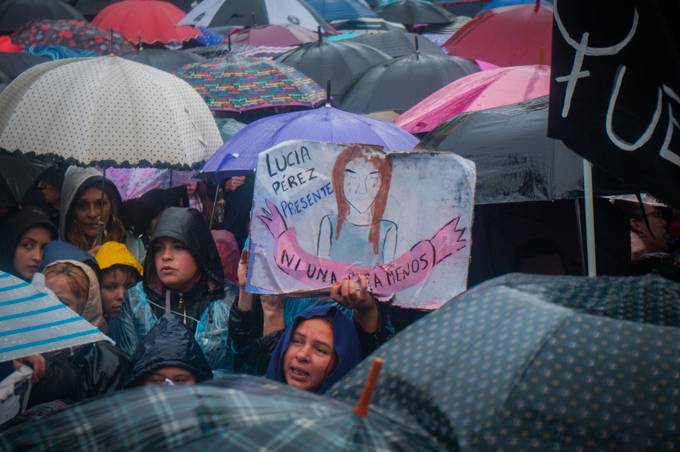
(529, 362)
(106, 111)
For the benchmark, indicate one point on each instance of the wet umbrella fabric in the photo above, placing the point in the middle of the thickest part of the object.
(274, 35)
(153, 118)
(367, 23)
(18, 174)
(541, 363)
(240, 413)
(403, 82)
(16, 13)
(397, 43)
(341, 9)
(515, 159)
(337, 61)
(13, 64)
(239, 154)
(238, 84)
(508, 36)
(71, 33)
(414, 12)
(90, 8)
(164, 59)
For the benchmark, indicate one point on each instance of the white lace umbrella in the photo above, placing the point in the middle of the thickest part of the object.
(106, 111)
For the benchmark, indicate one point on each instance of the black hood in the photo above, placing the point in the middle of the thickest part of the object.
(14, 227)
(189, 227)
(168, 344)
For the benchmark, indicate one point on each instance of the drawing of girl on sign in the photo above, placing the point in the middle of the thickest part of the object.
(358, 234)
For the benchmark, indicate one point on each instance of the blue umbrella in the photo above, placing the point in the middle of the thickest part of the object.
(239, 154)
(341, 9)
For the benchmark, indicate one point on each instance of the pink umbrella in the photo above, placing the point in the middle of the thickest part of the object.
(478, 91)
(506, 36)
(274, 35)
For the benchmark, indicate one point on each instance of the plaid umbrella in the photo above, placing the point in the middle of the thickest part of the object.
(238, 413)
(529, 362)
(75, 34)
(240, 83)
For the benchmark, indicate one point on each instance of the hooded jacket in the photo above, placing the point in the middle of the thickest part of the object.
(346, 345)
(14, 227)
(168, 344)
(204, 309)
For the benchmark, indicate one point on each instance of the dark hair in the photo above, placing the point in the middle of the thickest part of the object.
(538, 247)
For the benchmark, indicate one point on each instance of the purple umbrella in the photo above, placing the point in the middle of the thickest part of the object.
(239, 154)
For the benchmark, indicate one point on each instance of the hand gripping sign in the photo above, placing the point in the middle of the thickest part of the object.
(323, 212)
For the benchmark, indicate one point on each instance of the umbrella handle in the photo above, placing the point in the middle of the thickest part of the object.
(361, 408)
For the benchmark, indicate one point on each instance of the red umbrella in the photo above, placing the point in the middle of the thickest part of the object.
(6, 45)
(153, 20)
(508, 36)
(274, 35)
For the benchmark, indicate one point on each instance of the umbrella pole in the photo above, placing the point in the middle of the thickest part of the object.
(212, 214)
(361, 408)
(581, 243)
(590, 216)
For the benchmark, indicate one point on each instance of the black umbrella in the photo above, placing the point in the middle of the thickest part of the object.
(529, 362)
(397, 43)
(237, 413)
(337, 61)
(367, 23)
(17, 176)
(164, 59)
(13, 64)
(403, 82)
(90, 8)
(414, 12)
(15, 13)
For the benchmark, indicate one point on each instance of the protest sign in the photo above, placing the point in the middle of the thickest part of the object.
(325, 211)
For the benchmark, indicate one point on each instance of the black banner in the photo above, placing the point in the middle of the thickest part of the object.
(615, 89)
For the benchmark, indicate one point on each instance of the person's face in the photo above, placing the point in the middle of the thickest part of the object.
(175, 265)
(362, 183)
(191, 188)
(310, 357)
(50, 192)
(59, 284)
(114, 285)
(30, 250)
(89, 207)
(175, 374)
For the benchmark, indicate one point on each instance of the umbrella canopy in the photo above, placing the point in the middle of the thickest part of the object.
(13, 64)
(507, 36)
(151, 118)
(403, 82)
(341, 9)
(414, 12)
(540, 363)
(15, 13)
(337, 61)
(71, 33)
(17, 176)
(239, 413)
(274, 35)
(6, 45)
(367, 23)
(213, 13)
(239, 154)
(90, 8)
(236, 83)
(397, 43)
(479, 91)
(515, 159)
(164, 59)
(500, 3)
(148, 21)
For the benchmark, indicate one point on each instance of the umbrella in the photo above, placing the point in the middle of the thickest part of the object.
(236, 83)
(164, 59)
(397, 43)
(106, 111)
(515, 159)
(500, 3)
(239, 154)
(13, 64)
(529, 362)
(337, 61)
(508, 36)
(414, 12)
(403, 82)
(16, 13)
(239, 413)
(71, 33)
(59, 52)
(148, 21)
(212, 13)
(90, 8)
(274, 35)
(478, 91)
(33, 320)
(341, 9)
(6, 45)
(367, 23)
(17, 176)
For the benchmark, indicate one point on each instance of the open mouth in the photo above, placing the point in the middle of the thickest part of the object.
(298, 374)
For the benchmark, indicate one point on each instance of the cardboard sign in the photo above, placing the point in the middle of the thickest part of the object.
(615, 89)
(324, 211)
